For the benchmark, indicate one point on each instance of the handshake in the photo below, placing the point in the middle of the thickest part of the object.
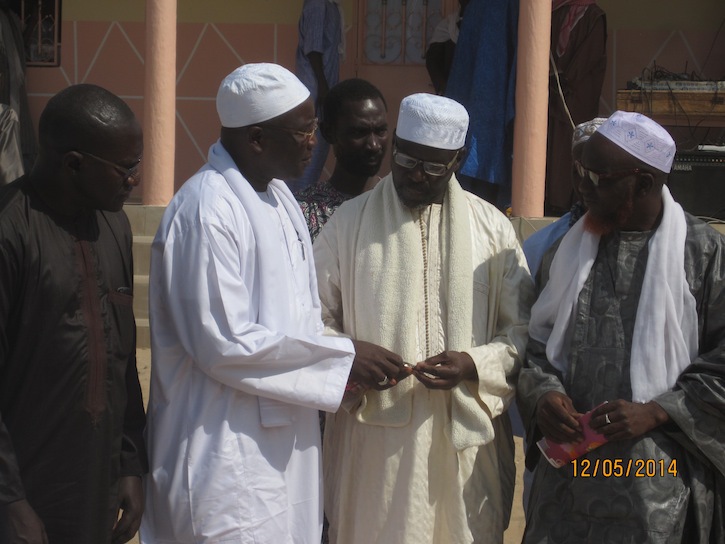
(377, 368)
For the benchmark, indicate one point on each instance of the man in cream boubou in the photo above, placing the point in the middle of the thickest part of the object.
(630, 322)
(436, 275)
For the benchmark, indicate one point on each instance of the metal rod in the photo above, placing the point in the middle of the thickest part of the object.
(424, 41)
(383, 27)
(40, 29)
(404, 14)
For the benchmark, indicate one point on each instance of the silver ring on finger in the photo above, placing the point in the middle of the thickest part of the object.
(606, 419)
(384, 381)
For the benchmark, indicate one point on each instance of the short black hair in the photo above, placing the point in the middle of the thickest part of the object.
(349, 90)
(82, 116)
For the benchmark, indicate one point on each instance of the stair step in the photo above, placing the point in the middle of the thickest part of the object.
(142, 254)
(144, 219)
(143, 334)
(144, 223)
(141, 296)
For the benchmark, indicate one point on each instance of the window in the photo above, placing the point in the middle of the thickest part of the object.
(398, 31)
(41, 31)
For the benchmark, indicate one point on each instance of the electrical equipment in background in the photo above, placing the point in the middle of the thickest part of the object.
(697, 181)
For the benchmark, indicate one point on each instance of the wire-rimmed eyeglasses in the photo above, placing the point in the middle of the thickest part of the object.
(430, 168)
(126, 173)
(305, 134)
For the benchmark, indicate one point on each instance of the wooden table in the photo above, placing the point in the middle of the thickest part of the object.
(676, 108)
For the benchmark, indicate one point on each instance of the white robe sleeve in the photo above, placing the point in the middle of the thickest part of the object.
(502, 320)
(206, 276)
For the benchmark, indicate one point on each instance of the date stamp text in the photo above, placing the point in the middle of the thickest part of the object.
(623, 468)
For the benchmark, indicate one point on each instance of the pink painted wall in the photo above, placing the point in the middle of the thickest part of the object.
(110, 53)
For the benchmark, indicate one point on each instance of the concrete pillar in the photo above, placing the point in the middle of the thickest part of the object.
(159, 102)
(532, 99)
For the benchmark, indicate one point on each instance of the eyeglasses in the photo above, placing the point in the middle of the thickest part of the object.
(126, 173)
(430, 168)
(305, 134)
(596, 177)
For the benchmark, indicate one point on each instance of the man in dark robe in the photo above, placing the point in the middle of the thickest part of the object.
(631, 314)
(578, 50)
(71, 412)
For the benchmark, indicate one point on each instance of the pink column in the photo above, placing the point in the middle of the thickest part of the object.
(532, 98)
(160, 102)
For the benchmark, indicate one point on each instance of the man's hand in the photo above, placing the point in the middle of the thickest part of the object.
(376, 367)
(620, 419)
(557, 418)
(446, 370)
(130, 501)
(19, 524)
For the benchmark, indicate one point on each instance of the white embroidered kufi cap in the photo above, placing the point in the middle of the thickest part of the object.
(583, 131)
(434, 121)
(254, 93)
(641, 137)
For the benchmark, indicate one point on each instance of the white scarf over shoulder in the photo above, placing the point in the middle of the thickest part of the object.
(388, 283)
(273, 284)
(665, 337)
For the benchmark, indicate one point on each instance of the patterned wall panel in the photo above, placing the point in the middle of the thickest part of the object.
(397, 31)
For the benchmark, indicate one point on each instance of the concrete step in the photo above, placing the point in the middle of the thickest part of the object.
(143, 334)
(144, 223)
(144, 219)
(141, 311)
(142, 254)
(141, 296)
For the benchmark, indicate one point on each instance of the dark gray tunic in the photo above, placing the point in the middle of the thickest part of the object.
(676, 495)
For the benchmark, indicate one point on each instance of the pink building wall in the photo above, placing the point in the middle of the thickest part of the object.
(111, 53)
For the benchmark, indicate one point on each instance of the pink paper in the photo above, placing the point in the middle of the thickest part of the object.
(559, 455)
